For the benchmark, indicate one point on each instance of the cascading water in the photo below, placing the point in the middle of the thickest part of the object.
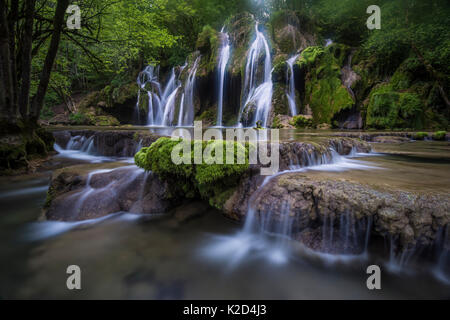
(257, 88)
(348, 75)
(291, 85)
(186, 112)
(284, 225)
(158, 99)
(224, 57)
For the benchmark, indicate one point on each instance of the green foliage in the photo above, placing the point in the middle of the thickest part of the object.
(206, 180)
(301, 122)
(420, 135)
(439, 135)
(47, 113)
(309, 56)
(389, 109)
(78, 118)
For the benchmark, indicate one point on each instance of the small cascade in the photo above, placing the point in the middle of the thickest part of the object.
(343, 235)
(108, 190)
(348, 75)
(169, 109)
(186, 111)
(258, 84)
(224, 57)
(341, 238)
(328, 42)
(291, 85)
(159, 99)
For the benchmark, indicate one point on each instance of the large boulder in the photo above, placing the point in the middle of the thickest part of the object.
(81, 192)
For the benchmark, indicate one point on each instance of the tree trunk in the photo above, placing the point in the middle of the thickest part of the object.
(8, 112)
(38, 99)
(25, 76)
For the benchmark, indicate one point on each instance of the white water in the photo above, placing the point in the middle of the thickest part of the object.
(169, 109)
(160, 100)
(48, 229)
(186, 112)
(253, 238)
(291, 85)
(224, 57)
(80, 148)
(257, 89)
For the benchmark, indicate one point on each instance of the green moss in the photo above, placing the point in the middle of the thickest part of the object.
(389, 109)
(276, 124)
(324, 92)
(208, 116)
(309, 56)
(206, 180)
(280, 102)
(300, 122)
(208, 43)
(105, 121)
(79, 118)
(420, 136)
(439, 135)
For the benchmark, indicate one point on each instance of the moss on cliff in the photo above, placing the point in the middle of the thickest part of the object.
(324, 92)
(390, 109)
(208, 180)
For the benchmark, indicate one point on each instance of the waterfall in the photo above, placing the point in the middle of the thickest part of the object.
(291, 85)
(341, 235)
(224, 57)
(158, 99)
(186, 112)
(181, 111)
(169, 108)
(257, 89)
(348, 75)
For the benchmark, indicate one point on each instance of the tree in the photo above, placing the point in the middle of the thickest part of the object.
(16, 43)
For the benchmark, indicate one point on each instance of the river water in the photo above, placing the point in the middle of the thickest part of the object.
(128, 256)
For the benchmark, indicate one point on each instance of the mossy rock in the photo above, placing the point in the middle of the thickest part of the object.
(389, 109)
(208, 117)
(287, 32)
(206, 180)
(309, 56)
(280, 103)
(208, 45)
(17, 149)
(241, 30)
(301, 122)
(420, 135)
(324, 92)
(105, 121)
(439, 135)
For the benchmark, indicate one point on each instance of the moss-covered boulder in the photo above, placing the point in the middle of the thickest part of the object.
(208, 180)
(324, 92)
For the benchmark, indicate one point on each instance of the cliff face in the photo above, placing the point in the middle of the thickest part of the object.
(338, 85)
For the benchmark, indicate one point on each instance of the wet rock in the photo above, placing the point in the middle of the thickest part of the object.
(316, 201)
(78, 193)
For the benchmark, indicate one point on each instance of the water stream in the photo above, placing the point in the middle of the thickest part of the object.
(126, 255)
(258, 84)
(291, 85)
(224, 57)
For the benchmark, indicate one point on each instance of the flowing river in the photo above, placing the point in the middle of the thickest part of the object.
(196, 253)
